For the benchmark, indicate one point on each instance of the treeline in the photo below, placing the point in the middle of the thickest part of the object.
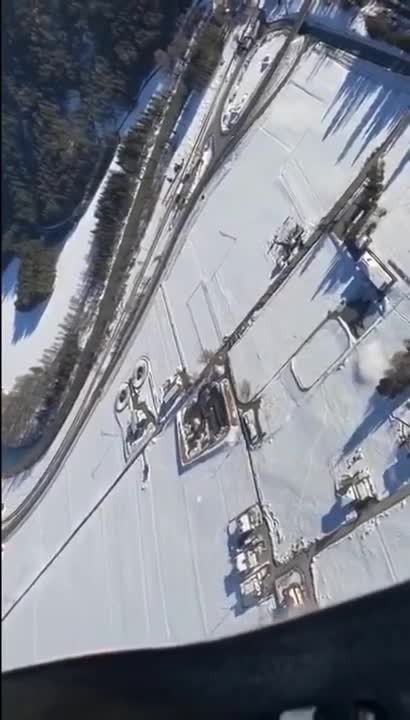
(32, 406)
(36, 396)
(68, 67)
(373, 186)
(207, 54)
(52, 387)
(36, 273)
(114, 202)
(364, 218)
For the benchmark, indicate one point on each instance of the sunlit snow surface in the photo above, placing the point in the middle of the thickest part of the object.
(372, 557)
(144, 567)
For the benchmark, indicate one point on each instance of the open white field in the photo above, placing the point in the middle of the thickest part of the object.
(325, 348)
(149, 567)
(314, 426)
(150, 564)
(301, 306)
(92, 467)
(295, 162)
(371, 558)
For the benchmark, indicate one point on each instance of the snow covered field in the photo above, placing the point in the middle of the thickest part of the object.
(161, 569)
(153, 551)
(371, 558)
(159, 557)
(396, 201)
(312, 431)
(294, 163)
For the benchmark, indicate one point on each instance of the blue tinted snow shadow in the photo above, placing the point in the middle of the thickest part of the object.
(383, 113)
(26, 322)
(342, 273)
(378, 412)
(398, 170)
(186, 117)
(398, 473)
(336, 516)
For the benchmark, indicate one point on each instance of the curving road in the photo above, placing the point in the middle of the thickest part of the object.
(15, 519)
(223, 146)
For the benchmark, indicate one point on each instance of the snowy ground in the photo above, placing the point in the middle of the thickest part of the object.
(164, 548)
(371, 558)
(150, 550)
(336, 410)
(340, 111)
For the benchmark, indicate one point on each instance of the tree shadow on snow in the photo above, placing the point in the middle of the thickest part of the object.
(378, 412)
(398, 473)
(382, 114)
(321, 58)
(187, 115)
(398, 170)
(26, 322)
(336, 516)
(342, 274)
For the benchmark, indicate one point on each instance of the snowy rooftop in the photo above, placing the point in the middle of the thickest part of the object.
(125, 563)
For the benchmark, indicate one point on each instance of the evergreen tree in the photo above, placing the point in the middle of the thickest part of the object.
(397, 377)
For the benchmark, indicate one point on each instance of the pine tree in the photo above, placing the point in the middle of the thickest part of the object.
(397, 377)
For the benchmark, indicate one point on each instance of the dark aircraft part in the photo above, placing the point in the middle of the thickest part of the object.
(358, 651)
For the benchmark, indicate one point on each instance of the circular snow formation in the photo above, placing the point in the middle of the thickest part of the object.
(140, 373)
(121, 401)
